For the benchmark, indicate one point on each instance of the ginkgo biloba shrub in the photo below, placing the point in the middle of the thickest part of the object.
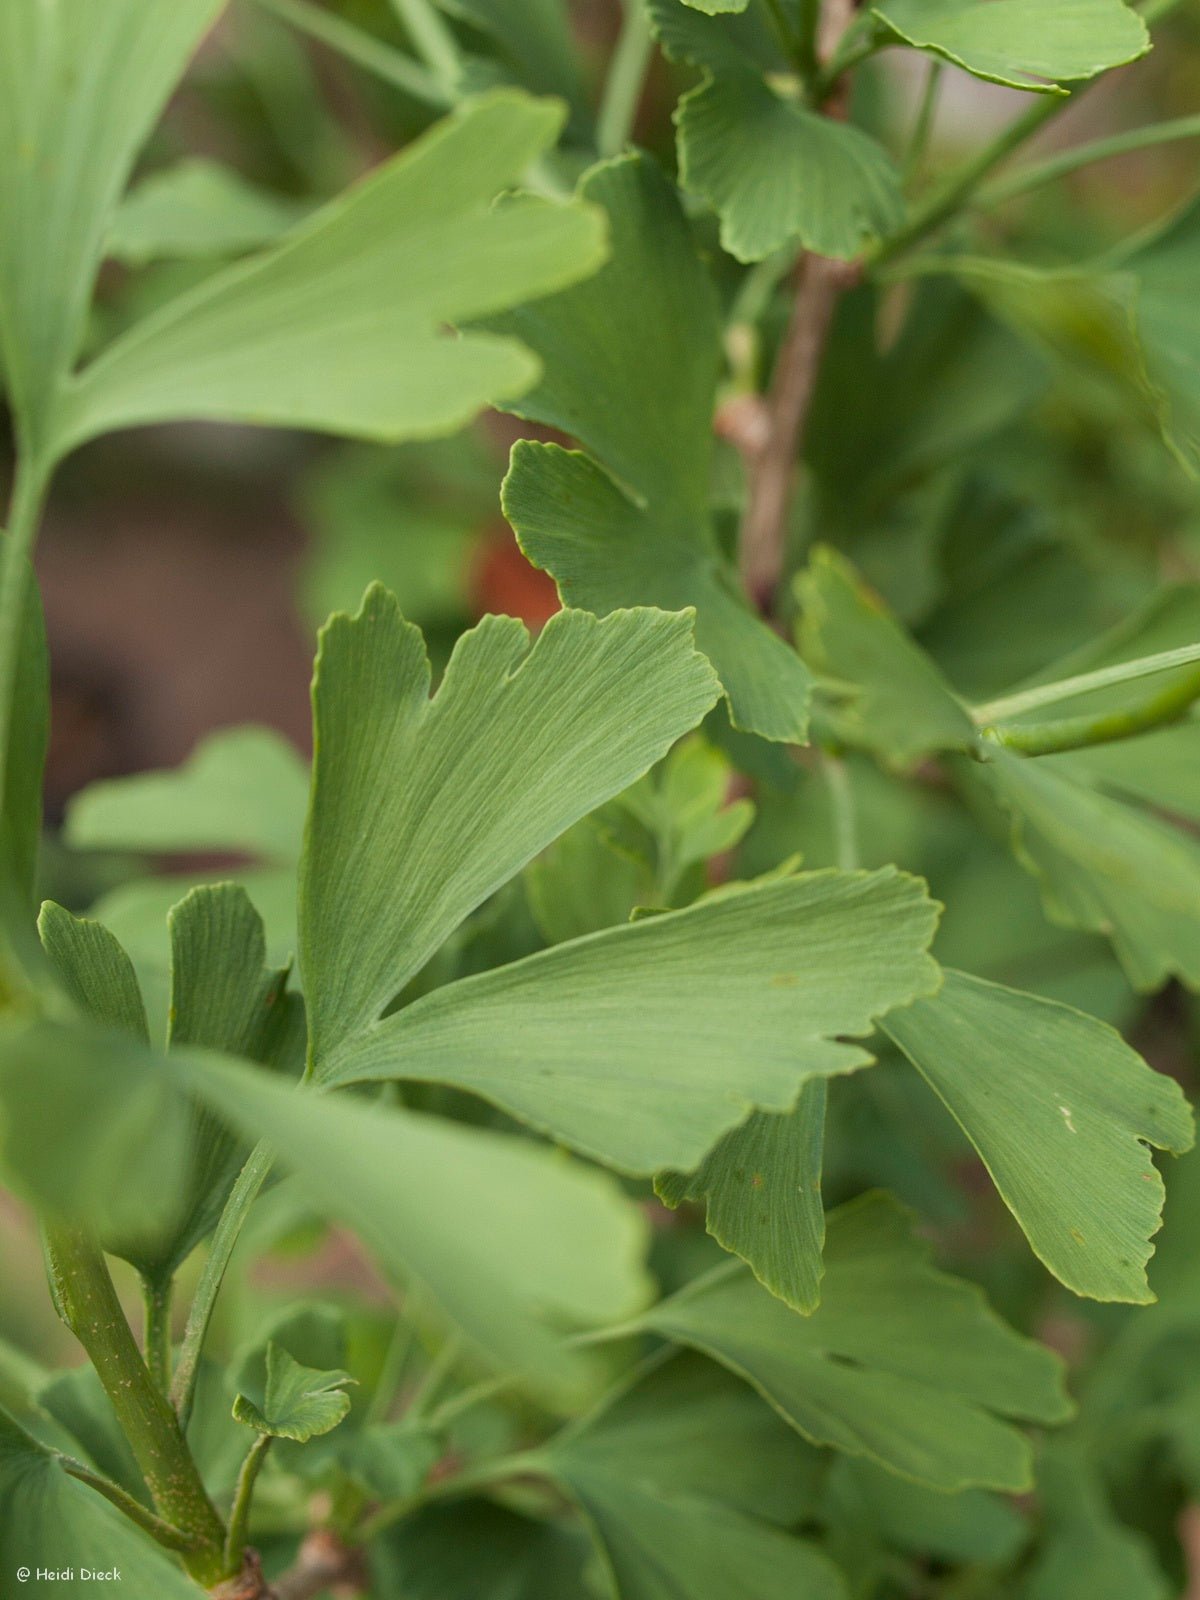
(683, 1008)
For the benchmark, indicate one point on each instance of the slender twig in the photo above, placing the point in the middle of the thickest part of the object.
(432, 1379)
(918, 141)
(164, 1533)
(16, 551)
(1086, 155)
(1169, 706)
(763, 541)
(243, 1495)
(841, 807)
(433, 40)
(626, 77)
(1054, 693)
(156, 1336)
(237, 1208)
(393, 66)
(87, 1301)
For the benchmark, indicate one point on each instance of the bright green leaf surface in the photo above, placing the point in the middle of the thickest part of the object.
(776, 171)
(1061, 1110)
(194, 210)
(422, 808)
(513, 1243)
(242, 789)
(49, 1520)
(342, 327)
(1023, 43)
(888, 695)
(94, 969)
(762, 1188)
(81, 86)
(680, 1523)
(899, 1363)
(299, 1402)
(1106, 867)
(631, 362)
(632, 1046)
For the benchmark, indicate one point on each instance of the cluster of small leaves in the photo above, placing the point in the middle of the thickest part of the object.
(520, 953)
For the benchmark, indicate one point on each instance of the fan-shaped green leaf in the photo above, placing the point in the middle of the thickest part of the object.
(631, 362)
(899, 1363)
(342, 327)
(422, 808)
(299, 1402)
(1061, 1111)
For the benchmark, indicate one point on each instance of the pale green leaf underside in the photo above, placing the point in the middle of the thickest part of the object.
(1107, 867)
(242, 789)
(887, 695)
(762, 1189)
(631, 362)
(1026, 44)
(422, 808)
(1061, 1110)
(899, 1362)
(632, 1045)
(195, 210)
(81, 85)
(775, 171)
(341, 327)
(515, 1245)
(49, 1520)
(300, 1403)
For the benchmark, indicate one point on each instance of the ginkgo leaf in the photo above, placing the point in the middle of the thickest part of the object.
(93, 968)
(631, 363)
(762, 1190)
(195, 210)
(462, 790)
(48, 1519)
(631, 1044)
(242, 790)
(80, 88)
(677, 1523)
(299, 1402)
(342, 326)
(1022, 43)
(775, 170)
(1107, 867)
(899, 1362)
(886, 693)
(1061, 1111)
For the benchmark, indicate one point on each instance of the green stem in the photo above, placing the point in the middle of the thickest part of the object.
(466, 1482)
(162, 1532)
(1060, 689)
(626, 76)
(841, 806)
(434, 1376)
(433, 40)
(237, 1208)
(29, 489)
(239, 1515)
(1077, 733)
(393, 66)
(808, 44)
(88, 1304)
(918, 141)
(157, 1333)
(1085, 155)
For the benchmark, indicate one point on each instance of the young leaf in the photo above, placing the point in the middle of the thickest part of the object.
(776, 171)
(49, 1520)
(1106, 867)
(299, 1403)
(241, 790)
(94, 970)
(195, 210)
(422, 808)
(342, 327)
(1061, 1111)
(631, 363)
(899, 1363)
(80, 88)
(889, 697)
(762, 1189)
(514, 1244)
(677, 1523)
(631, 1045)
(1022, 43)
